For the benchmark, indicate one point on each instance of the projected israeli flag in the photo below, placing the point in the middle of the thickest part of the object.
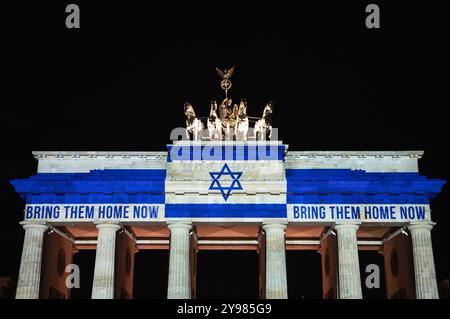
(225, 181)
(230, 181)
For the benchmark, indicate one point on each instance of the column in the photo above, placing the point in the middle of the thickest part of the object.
(348, 261)
(276, 278)
(424, 271)
(103, 284)
(179, 286)
(30, 264)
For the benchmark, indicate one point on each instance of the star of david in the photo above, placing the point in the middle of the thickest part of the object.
(226, 191)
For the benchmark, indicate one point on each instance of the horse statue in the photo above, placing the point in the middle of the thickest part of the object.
(193, 125)
(242, 123)
(214, 123)
(264, 124)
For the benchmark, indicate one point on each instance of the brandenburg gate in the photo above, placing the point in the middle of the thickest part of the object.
(228, 188)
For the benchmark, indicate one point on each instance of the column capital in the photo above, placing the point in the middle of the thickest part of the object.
(421, 225)
(347, 225)
(274, 225)
(107, 224)
(34, 224)
(177, 224)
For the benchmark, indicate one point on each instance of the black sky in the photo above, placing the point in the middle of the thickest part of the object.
(118, 82)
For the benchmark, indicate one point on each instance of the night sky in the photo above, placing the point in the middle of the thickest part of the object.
(118, 82)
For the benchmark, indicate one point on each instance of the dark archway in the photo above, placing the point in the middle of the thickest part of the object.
(304, 274)
(151, 271)
(374, 258)
(85, 259)
(230, 274)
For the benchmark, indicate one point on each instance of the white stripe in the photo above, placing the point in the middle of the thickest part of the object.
(200, 170)
(292, 217)
(81, 215)
(189, 182)
(370, 161)
(217, 198)
(265, 192)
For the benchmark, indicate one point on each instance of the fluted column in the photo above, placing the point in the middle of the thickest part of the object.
(276, 278)
(179, 286)
(424, 271)
(348, 260)
(103, 285)
(30, 264)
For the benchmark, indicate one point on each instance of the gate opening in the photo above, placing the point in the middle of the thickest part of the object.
(85, 260)
(373, 283)
(151, 273)
(304, 274)
(228, 274)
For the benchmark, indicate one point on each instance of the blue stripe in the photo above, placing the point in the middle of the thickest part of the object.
(225, 210)
(225, 153)
(304, 186)
(96, 181)
(336, 182)
(96, 199)
(80, 187)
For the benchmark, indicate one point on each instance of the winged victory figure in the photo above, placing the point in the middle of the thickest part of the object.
(226, 74)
